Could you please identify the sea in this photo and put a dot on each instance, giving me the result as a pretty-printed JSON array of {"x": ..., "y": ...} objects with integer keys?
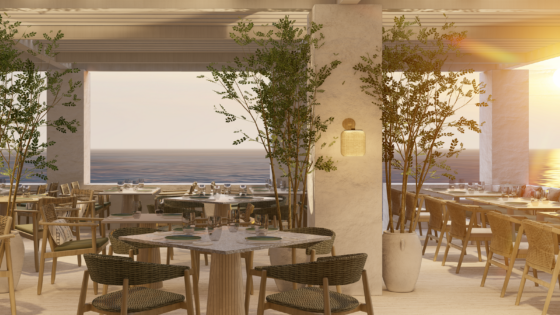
[{"x": 251, "y": 166}]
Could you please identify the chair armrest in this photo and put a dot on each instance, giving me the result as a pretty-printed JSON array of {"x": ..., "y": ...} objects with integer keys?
[
  {"x": 6, "y": 236},
  {"x": 81, "y": 202},
  {"x": 67, "y": 224},
  {"x": 83, "y": 219},
  {"x": 27, "y": 211},
  {"x": 67, "y": 209}
]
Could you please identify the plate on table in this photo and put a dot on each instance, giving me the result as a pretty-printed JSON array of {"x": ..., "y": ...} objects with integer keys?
[
  {"x": 244, "y": 197},
  {"x": 199, "y": 197},
  {"x": 439, "y": 189},
  {"x": 263, "y": 239},
  {"x": 516, "y": 203},
  {"x": 457, "y": 192},
  {"x": 182, "y": 238}
]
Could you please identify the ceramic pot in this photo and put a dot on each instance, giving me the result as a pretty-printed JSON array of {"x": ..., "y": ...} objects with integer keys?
[
  {"x": 283, "y": 256},
  {"x": 18, "y": 253},
  {"x": 402, "y": 258}
]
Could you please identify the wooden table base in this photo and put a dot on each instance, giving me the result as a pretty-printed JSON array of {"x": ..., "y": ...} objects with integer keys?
[
  {"x": 151, "y": 255},
  {"x": 225, "y": 290}
]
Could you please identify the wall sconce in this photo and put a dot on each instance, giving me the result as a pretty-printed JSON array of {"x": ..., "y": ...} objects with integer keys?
[{"x": 352, "y": 141}]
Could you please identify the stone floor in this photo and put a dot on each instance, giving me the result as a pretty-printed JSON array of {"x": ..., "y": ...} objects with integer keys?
[{"x": 439, "y": 290}]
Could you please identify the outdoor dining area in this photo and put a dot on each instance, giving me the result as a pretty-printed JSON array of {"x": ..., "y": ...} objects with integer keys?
[{"x": 219, "y": 227}]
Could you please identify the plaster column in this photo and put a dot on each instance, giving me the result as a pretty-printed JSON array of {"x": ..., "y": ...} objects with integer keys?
[
  {"x": 504, "y": 141},
  {"x": 349, "y": 200},
  {"x": 71, "y": 150}
]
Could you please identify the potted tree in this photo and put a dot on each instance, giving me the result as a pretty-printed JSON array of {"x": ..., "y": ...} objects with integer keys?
[
  {"x": 22, "y": 112},
  {"x": 416, "y": 96}
]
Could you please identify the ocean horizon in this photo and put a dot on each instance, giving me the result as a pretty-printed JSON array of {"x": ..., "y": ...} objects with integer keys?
[{"x": 251, "y": 166}]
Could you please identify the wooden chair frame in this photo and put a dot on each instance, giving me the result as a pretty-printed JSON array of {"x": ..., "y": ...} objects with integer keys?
[
  {"x": 65, "y": 190},
  {"x": 468, "y": 235},
  {"x": 48, "y": 237},
  {"x": 263, "y": 305},
  {"x": 435, "y": 225},
  {"x": 36, "y": 236},
  {"x": 9, "y": 272},
  {"x": 554, "y": 230}
]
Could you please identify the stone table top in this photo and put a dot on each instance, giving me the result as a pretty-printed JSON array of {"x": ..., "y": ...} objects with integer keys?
[
  {"x": 529, "y": 205},
  {"x": 140, "y": 191},
  {"x": 24, "y": 199},
  {"x": 229, "y": 243},
  {"x": 222, "y": 199},
  {"x": 463, "y": 192},
  {"x": 146, "y": 218}
]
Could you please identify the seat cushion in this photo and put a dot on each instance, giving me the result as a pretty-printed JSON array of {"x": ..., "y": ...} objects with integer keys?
[
  {"x": 481, "y": 232},
  {"x": 81, "y": 244},
  {"x": 139, "y": 299},
  {"x": 311, "y": 300},
  {"x": 107, "y": 203},
  {"x": 27, "y": 228}
]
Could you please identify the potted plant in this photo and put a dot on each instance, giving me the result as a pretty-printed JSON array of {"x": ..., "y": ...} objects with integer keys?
[
  {"x": 417, "y": 97},
  {"x": 22, "y": 112}
]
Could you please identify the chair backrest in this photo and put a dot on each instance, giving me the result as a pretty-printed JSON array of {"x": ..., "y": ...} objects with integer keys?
[
  {"x": 340, "y": 270},
  {"x": 436, "y": 207},
  {"x": 248, "y": 212},
  {"x": 5, "y": 227},
  {"x": 112, "y": 270},
  {"x": 410, "y": 206},
  {"x": 396, "y": 196},
  {"x": 186, "y": 208},
  {"x": 122, "y": 247},
  {"x": 322, "y": 247},
  {"x": 85, "y": 195},
  {"x": 65, "y": 189},
  {"x": 75, "y": 185},
  {"x": 47, "y": 206},
  {"x": 543, "y": 245},
  {"x": 41, "y": 189},
  {"x": 502, "y": 233},
  {"x": 458, "y": 214}
]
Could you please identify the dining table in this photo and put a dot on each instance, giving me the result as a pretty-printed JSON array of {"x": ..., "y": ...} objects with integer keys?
[
  {"x": 542, "y": 215},
  {"x": 148, "y": 220},
  {"x": 222, "y": 203},
  {"x": 519, "y": 203},
  {"x": 130, "y": 196},
  {"x": 457, "y": 194},
  {"x": 225, "y": 288}
]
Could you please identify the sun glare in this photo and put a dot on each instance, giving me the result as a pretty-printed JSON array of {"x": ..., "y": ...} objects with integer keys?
[{"x": 556, "y": 77}]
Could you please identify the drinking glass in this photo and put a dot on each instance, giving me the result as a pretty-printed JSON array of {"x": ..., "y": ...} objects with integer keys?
[
  {"x": 515, "y": 190},
  {"x": 159, "y": 210},
  {"x": 217, "y": 190},
  {"x": 120, "y": 185},
  {"x": 127, "y": 183},
  {"x": 461, "y": 184},
  {"x": 141, "y": 182},
  {"x": 243, "y": 189},
  {"x": 202, "y": 189},
  {"x": 538, "y": 195},
  {"x": 451, "y": 184},
  {"x": 545, "y": 194},
  {"x": 281, "y": 184},
  {"x": 269, "y": 183},
  {"x": 135, "y": 184},
  {"x": 228, "y": 188},
  {"x": 233, "y": 227},
  {"x": 483, "y": 184},
  {"x": 215, "y": 233},
  {"x": 3, "y": 182}
]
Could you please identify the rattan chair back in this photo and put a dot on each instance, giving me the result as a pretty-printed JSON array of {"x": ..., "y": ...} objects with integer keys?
[
  {"x": 340, "y": 270},
  {"x": 502, "y": 233},
  {"x": 410, "y": 206},
  {"x": 53, "y": 190},
  {"x": 65, "y": 189},
  {"x": 186, "y": 208},
  {"x": 5, "y": 226},
  {"x": 112, "y": 270},
  {"x": 458, "y": 215},
  {"x": 436, "y": 207},
  {"x": 543, "y": 245},
  {"x": 47, "y": 206},
  {"x": 321, "y": 248},
  {"x": 41, "y": 189},
  {"x": 75, "y": 185},
  {"x": 123, "y": 247},
  {"x": 248, "y": 212},
  {"x": 396, "y": 196},
  {"x": 272, "y": 211}
]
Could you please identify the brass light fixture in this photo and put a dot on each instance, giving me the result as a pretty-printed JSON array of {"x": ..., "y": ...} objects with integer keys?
[{"x": 352, "y": 141}]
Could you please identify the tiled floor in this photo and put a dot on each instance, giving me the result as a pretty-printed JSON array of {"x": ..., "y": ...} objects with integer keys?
[{"x": 439, "y": 290}]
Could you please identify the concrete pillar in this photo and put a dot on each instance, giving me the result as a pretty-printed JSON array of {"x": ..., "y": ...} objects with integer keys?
[
  {"x": 348, "y": 200},
  {"x": 504, "y": 141},
  {"x": 71, "y": 150}
]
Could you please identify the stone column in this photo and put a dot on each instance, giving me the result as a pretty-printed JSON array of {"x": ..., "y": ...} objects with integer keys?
[
  {"x": 504, "y": 141},
  {"x": 348, "y": 200},
  {"x": 71, "y": 150}
]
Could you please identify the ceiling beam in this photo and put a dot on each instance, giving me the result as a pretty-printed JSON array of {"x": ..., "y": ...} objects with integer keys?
[{"x": 131, "y": 57}]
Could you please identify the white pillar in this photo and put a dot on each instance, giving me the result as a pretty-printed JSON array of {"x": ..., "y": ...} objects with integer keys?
[
  {"x": 348, "y": 200},
  {"x": 504, "y": 141},
  {"x": 71, "y": 150}
]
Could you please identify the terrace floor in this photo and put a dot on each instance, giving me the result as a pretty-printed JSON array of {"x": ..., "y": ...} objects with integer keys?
[{"x": 439, "y": 290}]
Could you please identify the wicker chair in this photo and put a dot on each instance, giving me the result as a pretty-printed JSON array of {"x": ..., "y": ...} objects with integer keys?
[
  {"x": 421, "y": 214},
  {"x": 395, "y": 205},
  {"x": 5, "y": 236},
  {"x": 53, "y": 190},
  {"x": 41, "y": 189},
  {"x": 112, "y": 270},
  {"x": 65, "y": 189},
  {"x": 31, "y": 231},
  {"x": 466, "y": 232},
  {"x": 70, "y": 248},
  {"x": 338, "y": 270},
  {"x": 543, "y": 248},
  {"x": 438, "y": 222},
  {"x": 503, "y": 244},
  {"x": 75, "y": 185},
  {"x": 312, "y": 249}
]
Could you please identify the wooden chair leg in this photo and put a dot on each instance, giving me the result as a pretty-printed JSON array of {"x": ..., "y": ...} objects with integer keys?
[
  {"x": 53, "y": 270},
  {"x": 478, "y": 248},
  {"x": 485, "y": 274},
  {"x": 294, "y": 285},
  {"x": 262, "y": 294},
  {"x": 522, "y": 284},
  {"x": 420, "y": 227},
  {"x": 95, "y": 288},
  {"x": 205, "y": 259},
  {"x": 367, "y": 294},
  {"x": 188, "y": 293},
  {"x": 487, "y": 247},
  {"x": 463, "y": 252},
  {"x": 311, "y": 259},
  {"x": 508, "y": 276},
  {"x": 42, "y": 265},
  {"x": 248, "y": 292},
  {"x": 124, "y": 300},
  {"x": 10, "y": 270},
  {"x": 326, "y": 297},
  {"x": 440, "y": 241},
  {"x": 551, "y": 288},
  {"x": 449, "y": 239},
  {"x": 195, "y": 261},
  {"x": 169, "y": 252},
  {"x": 426, "y": 240},
  {"x": 131, "y": 254},
  {"x": 535, "y": 274},
  {"x": 79, "y": 260},
  {"x": 83, "y": 293},
  {"x": 248, "y": 267}
]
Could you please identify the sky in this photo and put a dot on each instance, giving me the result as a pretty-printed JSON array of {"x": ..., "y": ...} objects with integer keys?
[{"x": 175, "y": 110}]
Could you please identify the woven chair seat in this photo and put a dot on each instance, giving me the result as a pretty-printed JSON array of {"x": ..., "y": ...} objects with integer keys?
[
  {"x": 140, "y": 299},
  {"x": 311, "y": 300},
  {"x": 81, "y": 244},
  {"x": 27, "y": 228}
]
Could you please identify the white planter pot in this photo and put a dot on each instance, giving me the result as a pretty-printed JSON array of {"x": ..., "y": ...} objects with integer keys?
[
  {"x": 18, "y": 253},
  {"x": 283, "y": 256},
  {"x": 402, "y": 258}
]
